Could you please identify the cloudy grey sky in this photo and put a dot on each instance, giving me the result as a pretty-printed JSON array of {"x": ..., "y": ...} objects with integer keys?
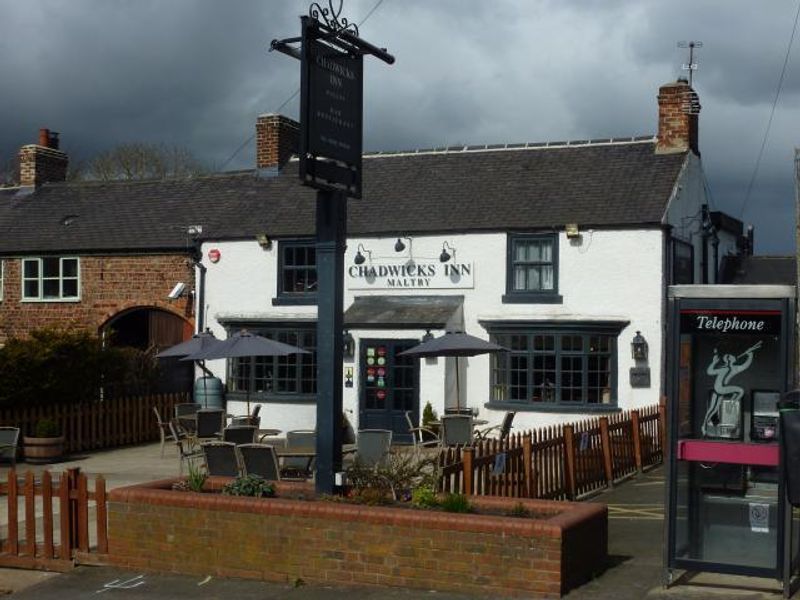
[{"x": 196, "y": 73}]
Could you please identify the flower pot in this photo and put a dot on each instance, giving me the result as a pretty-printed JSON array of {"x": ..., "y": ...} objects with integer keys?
[{"x": 43, "y": 450}]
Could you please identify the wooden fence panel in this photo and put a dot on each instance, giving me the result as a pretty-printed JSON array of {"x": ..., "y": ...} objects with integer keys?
[
  {"x": 72, "y": 514},
  {"x": 558, "y": 462}
]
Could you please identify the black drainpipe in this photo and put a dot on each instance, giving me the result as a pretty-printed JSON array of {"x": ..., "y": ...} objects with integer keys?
[{"x": 197, "y": 261}]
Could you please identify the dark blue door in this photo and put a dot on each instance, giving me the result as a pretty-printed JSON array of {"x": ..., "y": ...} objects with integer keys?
[{"x": 389, "y": 386}]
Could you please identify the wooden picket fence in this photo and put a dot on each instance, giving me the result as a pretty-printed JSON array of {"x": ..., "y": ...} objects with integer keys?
[
  {"x": 561, "y": 461},
  {"x": 107, "y": 423},
  {"x": 57, "y": 531}
]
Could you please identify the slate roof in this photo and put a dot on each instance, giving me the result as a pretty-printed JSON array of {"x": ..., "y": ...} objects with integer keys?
[
  {"x": 759, "y": 270},
  {"x": 489, "y": 189}
]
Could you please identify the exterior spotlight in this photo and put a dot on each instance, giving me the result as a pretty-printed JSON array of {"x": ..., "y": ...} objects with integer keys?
[
  {"x": 427, "y": 337},
  {"x": 399, "y": 246},
  {"x": 359, "y": 258},
  {"x": 639, "y": 347},
  {"x": 445, "y": 255}
]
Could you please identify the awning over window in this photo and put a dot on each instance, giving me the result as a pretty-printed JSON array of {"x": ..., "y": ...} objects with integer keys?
[{"x": 405, "y": 312}]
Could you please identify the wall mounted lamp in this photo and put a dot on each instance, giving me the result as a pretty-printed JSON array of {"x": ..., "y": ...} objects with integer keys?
[
  {"x": 445, "y": 255},
  {"x": 348, "y": 345},
  {"x": 572, "y": 230},
  {"x": 264, "y": 241},
  {"x": 399, "y": 245},
  {"x": 359, "y": 257},
  {"x": 639, "y": 347}
]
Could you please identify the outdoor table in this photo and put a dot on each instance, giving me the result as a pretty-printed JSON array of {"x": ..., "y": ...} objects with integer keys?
[
  {"x": 475, "y": 422},
  {"x": 263, "y": 433},
  {"x": 309, "y": 451}
]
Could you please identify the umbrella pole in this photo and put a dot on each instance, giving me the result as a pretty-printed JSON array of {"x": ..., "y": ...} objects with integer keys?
[{"x": 205, "y": 379}]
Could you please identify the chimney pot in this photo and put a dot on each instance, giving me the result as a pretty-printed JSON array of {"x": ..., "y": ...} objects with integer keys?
[{"x": 44, "y": 137}]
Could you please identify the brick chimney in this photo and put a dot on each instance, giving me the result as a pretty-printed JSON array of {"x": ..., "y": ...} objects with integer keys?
[
  {"x": 678, "y": 108},
  {"x": 42, "y": 162},
  {"x": 277, "y": 139}
]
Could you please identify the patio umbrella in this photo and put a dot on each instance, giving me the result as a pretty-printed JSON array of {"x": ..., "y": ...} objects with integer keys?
[
  {"x": 243, "y": 344},
  {"x": 199, "y": 342},
  {"x": 455, "y": 344}
]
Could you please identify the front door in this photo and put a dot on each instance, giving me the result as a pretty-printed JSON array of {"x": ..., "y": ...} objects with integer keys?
[{"x": 389, "y": 387}]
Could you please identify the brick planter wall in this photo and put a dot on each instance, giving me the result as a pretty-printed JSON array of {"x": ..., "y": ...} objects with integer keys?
[{"x": 154, "y": 528}]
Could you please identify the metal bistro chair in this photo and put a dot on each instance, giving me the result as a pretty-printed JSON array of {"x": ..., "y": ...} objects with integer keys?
[
  {"x": 418, "y": 434},
  {"x": 457, "y": 430},
  {"x": 239, "y": 434},
  {"x": 9, "y": 438},
  {"x": 260, "y": 460},
  {"x": 164, "y": 430},
  {"x": 373, "y": 446},
  {"x": 503, "y": 430},
  {"x": 210, "y": 423},
  {"x": 298, "y": 466},
  {"x": 186, "y": 451},
  {"x": 221, "y": 459}
]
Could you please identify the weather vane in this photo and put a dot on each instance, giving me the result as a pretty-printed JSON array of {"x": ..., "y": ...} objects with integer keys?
[{"x": 691, "y": 65}]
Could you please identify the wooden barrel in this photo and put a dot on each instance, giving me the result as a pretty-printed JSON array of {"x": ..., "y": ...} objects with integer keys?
[{"x": 43, "y": 450}]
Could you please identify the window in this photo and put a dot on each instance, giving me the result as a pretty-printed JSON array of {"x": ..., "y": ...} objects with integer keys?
[
  {"x": 682, "y": 262},
  {"x": 532, "y": 272},
  {"x": 278, "y": 377},
  {"x": 556, "y": 366},
  {"x": 50, "y": 278},
  {"x": 297, "y": 273}
]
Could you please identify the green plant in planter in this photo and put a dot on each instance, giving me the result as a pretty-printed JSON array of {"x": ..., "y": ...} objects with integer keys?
[
  {"x": 457, "y": 503},
  {"x": 47, "y": 428},
  {"x": 428, "y": 415},
  {"x": 249, "y": 485},
  {"x": 520, "y": 511},
  {"x": 196, "y": 478},
  {"x": 424, "y": 496}
]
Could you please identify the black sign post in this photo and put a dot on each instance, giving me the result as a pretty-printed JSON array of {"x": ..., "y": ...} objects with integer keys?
[{"x": 331, "y": 85}]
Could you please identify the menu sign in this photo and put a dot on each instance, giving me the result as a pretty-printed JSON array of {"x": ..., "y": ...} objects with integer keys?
[{"x": 731, "y": 322}]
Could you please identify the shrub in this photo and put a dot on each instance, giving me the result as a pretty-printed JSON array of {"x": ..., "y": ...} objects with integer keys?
[
  {"x": 424, "y": 496},
  {"x": 196, "y": 478},
  {"x": 59, "y": 366},
  {"x": 519, "y": 510},
  {"x": 428, "y": 415},
  {"x": 249, "y": 485},
  {"x": 47, "y": 428},
  {"x": 403, "y": 472},
  {"x": 456, "y": 503}
]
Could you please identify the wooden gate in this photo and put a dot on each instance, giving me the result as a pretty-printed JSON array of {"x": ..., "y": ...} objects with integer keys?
[{"x": 53, "y": 510}]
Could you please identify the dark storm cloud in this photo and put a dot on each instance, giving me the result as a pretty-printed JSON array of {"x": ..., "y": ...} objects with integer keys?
[{"x": 197, "y": 73}]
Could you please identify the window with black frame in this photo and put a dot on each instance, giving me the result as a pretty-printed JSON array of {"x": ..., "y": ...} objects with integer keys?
[
  {"x": 532, "y": 268},
  {"x": 278, "y": 377},
  {"x": 297, "y": 272},
  {"x": 682, "y": 263},
  {"x": 546, "y": 368}
]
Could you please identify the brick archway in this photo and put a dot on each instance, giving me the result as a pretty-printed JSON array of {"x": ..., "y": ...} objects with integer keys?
[{"x": 145, "y": 327}]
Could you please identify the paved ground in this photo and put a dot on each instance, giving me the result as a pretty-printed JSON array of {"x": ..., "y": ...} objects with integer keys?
[{"x": 635, "y": 528}]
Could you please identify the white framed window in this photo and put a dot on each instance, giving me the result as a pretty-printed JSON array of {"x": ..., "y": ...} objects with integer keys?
[{"x": 50, "y": 279}]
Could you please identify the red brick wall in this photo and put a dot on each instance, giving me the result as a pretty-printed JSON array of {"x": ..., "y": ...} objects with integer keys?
[
  {"x": 108, "y": 285},
  {"x": 285, "y": 540}
]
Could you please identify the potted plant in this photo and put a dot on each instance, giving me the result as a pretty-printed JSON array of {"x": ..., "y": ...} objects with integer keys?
[
  {"x": 46, "y": 445},
  {"x": 429, "y": 421}
]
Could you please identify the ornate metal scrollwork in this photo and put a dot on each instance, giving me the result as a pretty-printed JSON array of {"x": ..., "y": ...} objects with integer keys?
[{"x": 330, "y": 17}]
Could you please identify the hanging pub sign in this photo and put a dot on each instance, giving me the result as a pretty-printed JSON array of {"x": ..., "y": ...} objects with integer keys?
[
  {"x": 331, "y": 108},
  {"x": 731, "y": 322}
]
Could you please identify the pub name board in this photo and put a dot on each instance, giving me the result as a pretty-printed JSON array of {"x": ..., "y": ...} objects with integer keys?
[
  {"x": 417, "y": 275},
  {"x": 727, "y": 322}
]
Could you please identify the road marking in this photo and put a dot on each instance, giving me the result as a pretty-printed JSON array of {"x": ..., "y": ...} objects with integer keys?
[
  {"x": 642, "y": 512},
  {"x": 205, "y": 581},
  {"x": 122, "y": 585}
]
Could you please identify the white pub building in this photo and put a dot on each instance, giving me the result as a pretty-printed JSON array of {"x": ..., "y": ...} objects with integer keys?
[{"x": 561, "y": 252}]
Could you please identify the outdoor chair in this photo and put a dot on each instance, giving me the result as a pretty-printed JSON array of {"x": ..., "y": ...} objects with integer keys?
[
  {"x": 245, "y": 420},
  {"x": 419, "y": 434},
  {"x": 210, "y": 422},
  {"x": 373, "y": 446},
  {"x": 457, "y": 430},
  {"x": 221, "y": 459},
  {"x": 185, "y": 413},
  {"x": 164, "y": 430},
  {"x": 299, "y": 467},
  {"x": 503, "y": 430},
  {"x": 260, "y": 460},
  {"x": 239, "y": 434},
  {"x": 187, "y": 452},
  {"x": 9, "y": 437}
]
